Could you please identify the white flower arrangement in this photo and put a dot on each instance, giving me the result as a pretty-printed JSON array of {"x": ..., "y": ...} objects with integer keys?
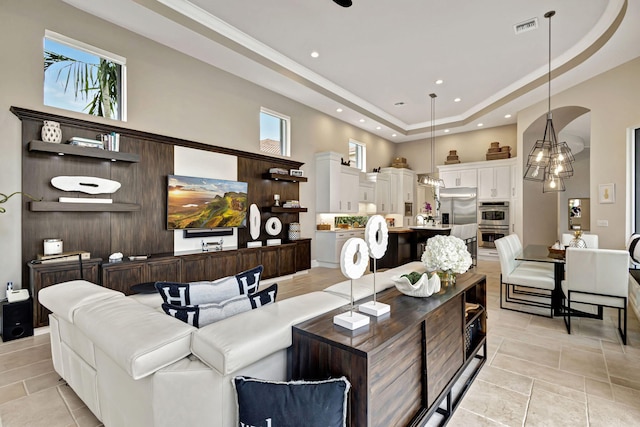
[{"x": 446, "y": 253}]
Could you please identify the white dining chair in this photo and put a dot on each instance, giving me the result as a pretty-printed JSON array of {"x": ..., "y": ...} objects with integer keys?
[
  {"x": 524, "y": 283},
  {"x": 591, "y": 240},
  {"x": 598, "y": 277}
]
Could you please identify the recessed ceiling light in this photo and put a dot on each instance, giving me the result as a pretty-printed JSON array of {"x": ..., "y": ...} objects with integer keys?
[
  {"x": 439, "y": 81},
  {"x": 457, "y": 100},
  {"x": 393, "y": 135},
  {"x": 378, "y": 127},
  {"x": 480, "y": 124},
  {"x": 361, "y": 120},
  {"x": 446, "y": 131},
  {"x": 399, "y": 104},
  {"x": 339, "y": 110},
  {"x": 314, "y": 54},
  {"x": 507, "y": 116}
]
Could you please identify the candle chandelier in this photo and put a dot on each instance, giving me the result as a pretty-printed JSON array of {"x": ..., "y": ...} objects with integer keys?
[
  {"x": 549, "y": 161},
  {"x": 428, "y": 178}
]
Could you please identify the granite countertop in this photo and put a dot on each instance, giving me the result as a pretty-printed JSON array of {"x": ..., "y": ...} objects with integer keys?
[{"x": 430, "y": 227}]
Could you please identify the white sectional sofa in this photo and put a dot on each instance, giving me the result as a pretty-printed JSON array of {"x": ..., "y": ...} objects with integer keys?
[{"x": 133, "y": 365}]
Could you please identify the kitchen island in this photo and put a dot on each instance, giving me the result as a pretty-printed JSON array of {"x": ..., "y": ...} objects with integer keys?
[{"x": 406, "y": 244}]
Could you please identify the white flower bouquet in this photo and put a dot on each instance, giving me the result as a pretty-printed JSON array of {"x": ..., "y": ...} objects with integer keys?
[{"x": 446, "y": 253}]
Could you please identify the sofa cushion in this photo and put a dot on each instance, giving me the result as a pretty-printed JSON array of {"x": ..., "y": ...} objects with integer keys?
[
  {"x": 295, "y": 403},
  {"x": 65, "y": 298},
  {"x": 204, "y": 314},
  {"x": 138, "y": 338},
  {"x": 239, "y": 341},
  {"x": 205, "y": 292}
]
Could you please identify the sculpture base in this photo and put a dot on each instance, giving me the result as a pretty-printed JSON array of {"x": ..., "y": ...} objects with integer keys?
[
  {"x": 374, "y": 308},
  {"x": 351, "y": 320}
]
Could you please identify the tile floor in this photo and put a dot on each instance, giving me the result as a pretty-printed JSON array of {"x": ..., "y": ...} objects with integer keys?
[{"x": 536, "y": 374}]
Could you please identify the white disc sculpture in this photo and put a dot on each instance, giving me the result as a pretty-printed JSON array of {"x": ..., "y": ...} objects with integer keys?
[
  {"x": 353, "y": 263},
  {"x": 254, "y": 226},
  {"x": 376, "y": 234}
]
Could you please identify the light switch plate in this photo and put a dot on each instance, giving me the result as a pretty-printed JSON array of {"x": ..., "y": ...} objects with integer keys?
[{"x": 603, "y": 223}]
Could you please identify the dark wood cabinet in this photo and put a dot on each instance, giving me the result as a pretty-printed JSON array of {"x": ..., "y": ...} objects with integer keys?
[
  {"x": 120, "y": 276},
  {"x": 303, "y": 254},
  {"x": 404, "y": 366},
  {"x": 47, "y": 274}
]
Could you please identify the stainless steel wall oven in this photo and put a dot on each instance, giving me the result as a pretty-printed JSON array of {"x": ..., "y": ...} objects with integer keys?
[{"x": 493, "y": 222}]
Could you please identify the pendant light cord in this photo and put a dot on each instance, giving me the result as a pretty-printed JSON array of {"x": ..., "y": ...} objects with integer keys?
[{"x": 548, "y": 15}]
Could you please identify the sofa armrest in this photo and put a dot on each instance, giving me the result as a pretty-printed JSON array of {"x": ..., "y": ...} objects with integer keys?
[
  {"x": 138, "y": 338},
  {"x": 236, "y": 342},
  {"x": 65, "y": 298}
]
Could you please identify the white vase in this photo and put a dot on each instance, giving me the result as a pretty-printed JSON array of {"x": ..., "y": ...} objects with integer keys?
[{"x": 51, "y": 132}]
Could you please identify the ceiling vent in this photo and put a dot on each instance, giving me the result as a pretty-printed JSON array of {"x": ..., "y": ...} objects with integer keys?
[{"x": 528, "y": 25}]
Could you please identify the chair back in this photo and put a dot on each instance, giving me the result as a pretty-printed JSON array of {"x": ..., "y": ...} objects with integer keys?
[
  {"x": 591, "y": 240},
  {"x": 507, "y": 252},
  {"x": 599, "y": 271},
  {"x": 456, "y": 230}
]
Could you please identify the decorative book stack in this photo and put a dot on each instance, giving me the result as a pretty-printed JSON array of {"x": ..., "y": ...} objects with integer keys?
[{"x": 496, "y": 152}]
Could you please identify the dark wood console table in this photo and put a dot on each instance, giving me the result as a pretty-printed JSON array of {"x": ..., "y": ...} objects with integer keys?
[{"x": 402, "y": 367}]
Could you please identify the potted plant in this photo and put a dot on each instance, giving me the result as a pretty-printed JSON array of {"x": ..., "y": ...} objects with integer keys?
[{"x": 4, "y": 198}]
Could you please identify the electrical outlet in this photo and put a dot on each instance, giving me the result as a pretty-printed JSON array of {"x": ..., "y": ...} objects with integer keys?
[{"x": 603, "y": 223}]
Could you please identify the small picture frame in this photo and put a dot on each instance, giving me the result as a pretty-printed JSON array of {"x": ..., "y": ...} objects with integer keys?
[
  {"x": 607, "y": 193},
  {"x": 296, "y": 172}
]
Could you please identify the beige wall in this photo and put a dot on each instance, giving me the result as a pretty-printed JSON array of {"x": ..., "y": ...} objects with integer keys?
[
  {"x": 613, "y": 101},
  {"x": 470, "y": 146},
  {"x": 169, "y": 93}
]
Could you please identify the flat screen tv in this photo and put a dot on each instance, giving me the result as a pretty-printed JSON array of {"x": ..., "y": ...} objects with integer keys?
[{"x": 205, "y": 203}]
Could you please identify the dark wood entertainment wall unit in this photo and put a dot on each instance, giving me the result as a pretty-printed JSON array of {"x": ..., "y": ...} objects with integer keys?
[{"x": 135, "y": 223}]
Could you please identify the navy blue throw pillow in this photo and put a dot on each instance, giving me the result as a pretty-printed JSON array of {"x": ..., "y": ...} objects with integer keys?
[
  {"x": 292, "y": 404},
  {"x": 206, "y": 292},
  {"x": 204, "y": 314}
]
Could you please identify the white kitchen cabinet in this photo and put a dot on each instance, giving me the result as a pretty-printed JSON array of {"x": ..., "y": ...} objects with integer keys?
[
  {"x": 494, "y": 183},
  {"x": 402, "y": 183},
  {"x": 459, "y": 178},
  {"x": 336, "y": 185},
  {"x": 383, "y": 206},
  {"x": 329, "y": 245},
  {"x": 366, "y": 191}
]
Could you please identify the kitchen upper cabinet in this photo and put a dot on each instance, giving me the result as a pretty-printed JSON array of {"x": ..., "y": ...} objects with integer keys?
[
  {"x": 336, "y": 186},
  {"x": 383, "y": 192},
  {"x": 494, "y": 183},
  {"x": 402, "y": 184},
  {"x": 459, "y": 178},
  {"x": 366, "y": 191}
]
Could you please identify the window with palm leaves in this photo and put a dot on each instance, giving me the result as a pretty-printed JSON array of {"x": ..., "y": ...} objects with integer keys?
[{"x": 82, "y": 78}]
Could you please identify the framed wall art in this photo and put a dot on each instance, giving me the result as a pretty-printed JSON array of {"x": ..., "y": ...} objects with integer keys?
[{"x": 606, "y": 193}]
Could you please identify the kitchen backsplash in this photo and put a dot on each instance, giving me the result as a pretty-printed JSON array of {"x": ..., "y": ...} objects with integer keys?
[{"x": 352, "y": 221}]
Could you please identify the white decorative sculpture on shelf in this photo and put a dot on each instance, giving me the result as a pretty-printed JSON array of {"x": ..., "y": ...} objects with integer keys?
[
  {"x": 376, "y": 235},
  {"x": 354, "y": 259},
  {"x": 254, "y": 226}
]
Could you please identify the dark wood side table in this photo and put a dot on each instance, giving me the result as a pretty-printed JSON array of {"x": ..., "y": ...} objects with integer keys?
[{"x": 402, "y": 367}]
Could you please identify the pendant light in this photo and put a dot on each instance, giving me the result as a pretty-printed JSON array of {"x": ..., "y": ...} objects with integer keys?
[
  {"x": 428, "y": 178},
  {"x": 549, "y": 161}
]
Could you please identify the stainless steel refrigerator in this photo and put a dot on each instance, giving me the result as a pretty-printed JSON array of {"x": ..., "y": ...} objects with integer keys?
[{"x": 460, "y": 204}]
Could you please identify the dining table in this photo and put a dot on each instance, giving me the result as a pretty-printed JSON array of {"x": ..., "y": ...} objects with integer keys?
[{"x": 540, "y": 253}]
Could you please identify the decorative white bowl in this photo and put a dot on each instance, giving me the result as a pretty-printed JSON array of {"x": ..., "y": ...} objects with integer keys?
[{"x": 424, "y": 287}]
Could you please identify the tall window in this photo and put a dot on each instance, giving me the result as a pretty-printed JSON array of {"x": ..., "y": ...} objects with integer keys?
[
  {"x": 358, "y": 154},
  {"x": 83, "y": 78},
  {"x": 274, "y": 133}
]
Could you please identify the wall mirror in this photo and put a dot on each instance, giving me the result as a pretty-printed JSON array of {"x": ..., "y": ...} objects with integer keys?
[{"x": 579, "y": 214}]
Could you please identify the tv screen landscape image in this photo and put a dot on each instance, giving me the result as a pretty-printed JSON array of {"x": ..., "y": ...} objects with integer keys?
[{"x": 205, "y": 203}]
